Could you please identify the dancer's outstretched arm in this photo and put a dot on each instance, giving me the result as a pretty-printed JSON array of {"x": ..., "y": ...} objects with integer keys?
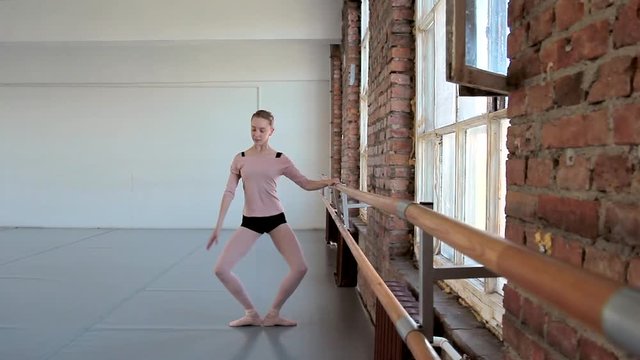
[
  {"x": 292, "y": 172},
  {"x": 311, "y": 185},
  {"x": 228, "y": 195}
]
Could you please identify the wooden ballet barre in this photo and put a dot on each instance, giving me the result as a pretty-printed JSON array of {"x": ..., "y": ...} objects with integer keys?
[
  {"x": 604, "y": 305},
  {"x": 406, "y": 327}
]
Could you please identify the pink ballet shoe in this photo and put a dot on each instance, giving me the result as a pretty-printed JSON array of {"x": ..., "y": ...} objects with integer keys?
[
  {"x": 251, "y": 318},
  {"x": 274, "y": 319}
]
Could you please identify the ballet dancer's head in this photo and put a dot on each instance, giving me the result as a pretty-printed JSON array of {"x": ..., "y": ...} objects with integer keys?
[{"x": 261, "y": 127}]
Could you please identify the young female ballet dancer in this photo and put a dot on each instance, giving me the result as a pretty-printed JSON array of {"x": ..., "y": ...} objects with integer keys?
[{"x": 259, "y": 167}]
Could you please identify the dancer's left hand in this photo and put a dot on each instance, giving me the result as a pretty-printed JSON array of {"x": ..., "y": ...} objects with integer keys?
[{"x": 213, "y": 239}]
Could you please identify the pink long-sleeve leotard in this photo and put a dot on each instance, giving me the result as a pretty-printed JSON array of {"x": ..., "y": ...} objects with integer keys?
[{"x": 259, "y": 176}]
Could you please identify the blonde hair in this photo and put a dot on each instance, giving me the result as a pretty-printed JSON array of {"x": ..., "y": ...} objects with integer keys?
[{"x": 264, "y": 114}]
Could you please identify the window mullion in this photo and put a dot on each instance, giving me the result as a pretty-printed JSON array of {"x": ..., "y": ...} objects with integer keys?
[
  {"x": 460, "y": 179},
  {"x": 493, "y": 171}
]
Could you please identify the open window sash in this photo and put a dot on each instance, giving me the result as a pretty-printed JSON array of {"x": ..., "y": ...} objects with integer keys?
[{"x": 463, "y": 49}]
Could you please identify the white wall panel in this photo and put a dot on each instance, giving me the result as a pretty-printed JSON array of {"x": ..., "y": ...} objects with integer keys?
[{"x": 148, "y": 157}]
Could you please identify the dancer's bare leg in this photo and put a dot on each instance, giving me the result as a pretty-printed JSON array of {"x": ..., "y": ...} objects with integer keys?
[
  {"x": 287, "y": 244},
  {"x": 236, "y": 248}
]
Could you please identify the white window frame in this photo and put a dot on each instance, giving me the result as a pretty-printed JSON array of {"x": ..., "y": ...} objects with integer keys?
[
  {"x": 483, "y": 295},
  {"x": 364, "y": 99}
]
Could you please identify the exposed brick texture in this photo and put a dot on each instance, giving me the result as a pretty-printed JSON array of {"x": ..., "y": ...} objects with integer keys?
[
  {"x": 633, "y": 274},
  {"x": 614, "y": 79},
  {"x": 591, "y": 350},
  {"x": 516, "y": 170},
  {"x": 390, "y": 143},
  {"x": 626, "y": 30},
  {"x": 569, "y": 90},
  {"x": 576, "y": 216},
  {"x": 562, "y": 337},
  {"x": 604, "y": 263},
  {"x": 576, "y": 131},
  {"x": 390, "y": 169},
  {"x": 350, "y": 159},
  {"x": 512, "y": 301},
  {"x": 569, "y": 251},
  {"x": 539, "y": 172},
  {"x": 622, "y": 223},
  {"x": 568, "y": 12},
  {"x": 521, "y": 205},
  {"x": 573, "y": 169},
  {"x": 533, "y": 316},
  {"x": 336, "y": 110},
  {"x": 573, "y": 172},
  {"x": 612, "y": 172},
  {"x": 626, "y": 127},
  {"x": 514, "y": 231}
]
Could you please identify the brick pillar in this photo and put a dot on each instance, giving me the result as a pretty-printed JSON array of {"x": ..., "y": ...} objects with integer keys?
[
  {"x": 573, "y": 172},
  {"x": 350, "y": 163},
  {"x": 336, "y": 110},
  {"x": 392, "y": 88}
]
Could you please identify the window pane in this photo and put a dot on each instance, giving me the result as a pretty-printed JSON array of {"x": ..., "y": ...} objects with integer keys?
[
  {"x": 445, "y": 92},
  {"x": 501, "y": 282},
  {"x": 425, "y": 190},
  {"x": 504, "y": 124},
  {"x": 425, "y": 80},
  {"x": 486, "y": 34},
  {"x": 429, "y": 79},
  {"x": 364, "y": 65},
  {"x": 448, "y": 173},
  {"x": 424, "y": 6},
  {"x": 471, "y": 106},
  {"x": 364, "y": 18},
  {"x": 425, "y": 179},
  {"x": 364, "y": 117},
  {"x": 475, "y": 184}
]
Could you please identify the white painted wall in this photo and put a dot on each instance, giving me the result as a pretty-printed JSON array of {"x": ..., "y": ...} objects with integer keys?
[
  {"x": 141, "y": 135},
  {"x": 129, "y": 20},
  {"x": 163, "y": 62}
]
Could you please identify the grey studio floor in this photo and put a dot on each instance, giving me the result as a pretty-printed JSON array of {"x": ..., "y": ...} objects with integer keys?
[{"x": 150, "y": 294}]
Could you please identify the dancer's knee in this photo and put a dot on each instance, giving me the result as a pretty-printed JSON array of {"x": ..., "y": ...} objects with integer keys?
[
  {"x": 300, "y": 269},
  {"x": 220, "y": 271}
]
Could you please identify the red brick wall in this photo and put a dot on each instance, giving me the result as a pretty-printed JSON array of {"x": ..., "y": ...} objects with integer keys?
[
  {"x": 390, "y": 144},
  {"x": 336, "y": 110},
  {"x": 350, "y": 164},
  {"x": 574, "y": 160},
  {"x": 391, "y": 90}
]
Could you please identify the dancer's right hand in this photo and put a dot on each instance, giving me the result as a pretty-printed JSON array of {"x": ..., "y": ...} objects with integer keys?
[{"x": 213, "y": 238}]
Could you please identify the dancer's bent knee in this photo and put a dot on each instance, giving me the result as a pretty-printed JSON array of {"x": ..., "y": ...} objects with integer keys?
[
  {"x": 300, "y": 270},
  {"x": 221, "y": 272}
]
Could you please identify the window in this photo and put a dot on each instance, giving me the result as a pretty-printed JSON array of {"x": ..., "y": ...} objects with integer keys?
[
  {"x": 477, "y": 50},
  {"x": 461, "y": 155},
  {"x": 364, "y": 103}
]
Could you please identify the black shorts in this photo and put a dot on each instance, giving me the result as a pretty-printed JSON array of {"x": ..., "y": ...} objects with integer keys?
[{"x": 263, "y": 224}]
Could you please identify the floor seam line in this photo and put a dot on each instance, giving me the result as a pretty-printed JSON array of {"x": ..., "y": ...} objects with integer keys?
[{"x": 55, "y": 248}]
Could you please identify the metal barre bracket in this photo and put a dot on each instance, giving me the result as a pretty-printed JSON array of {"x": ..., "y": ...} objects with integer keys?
[{"x": 346, "y": 206}]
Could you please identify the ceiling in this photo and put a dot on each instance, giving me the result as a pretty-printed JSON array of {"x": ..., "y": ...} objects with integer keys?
[{"x": 96, "y": 21}]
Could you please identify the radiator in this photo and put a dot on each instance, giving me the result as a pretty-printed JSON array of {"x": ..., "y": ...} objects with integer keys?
[{"x": 388, "y": 344}]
